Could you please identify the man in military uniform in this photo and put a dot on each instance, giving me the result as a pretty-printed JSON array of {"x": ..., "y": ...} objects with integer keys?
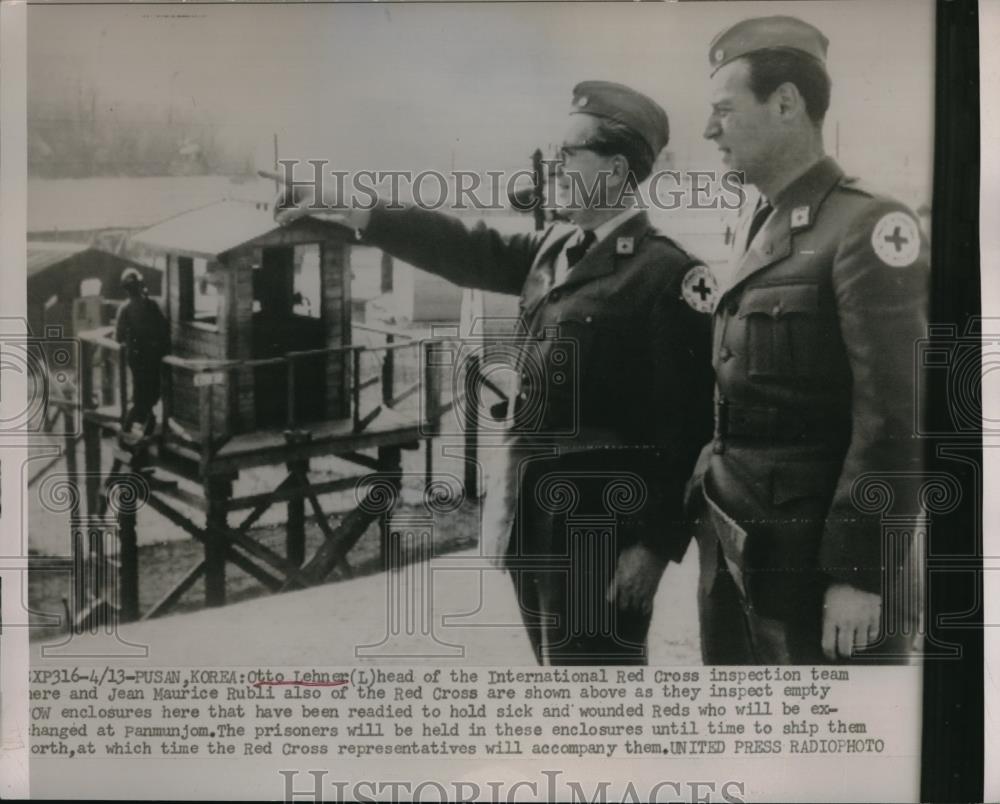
[
  {"x": 142, "y": 328},
  {"x": 614, "y": 399},
  {"x": 813, "y": 353}
]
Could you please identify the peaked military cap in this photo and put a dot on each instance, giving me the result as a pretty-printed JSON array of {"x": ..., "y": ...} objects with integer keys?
[
  {"x": 767, "y": 33},
  {"x": 626, "y": 106}
]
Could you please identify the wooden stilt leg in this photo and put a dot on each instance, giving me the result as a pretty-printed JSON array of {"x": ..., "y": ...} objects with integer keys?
[
  {"x": 128, "y": 560},
  {"x": 471, "y": 425},
  {"x": 295, "y": 538},
  {"x": 72, "y": 469},
  {"x": 428, "y": 462},
  {"x": 92, "y": 465},
  {"x": 91, "y": 430},
  {"x": 217, "y": 493},
  {"x": 390, "y": 463}
]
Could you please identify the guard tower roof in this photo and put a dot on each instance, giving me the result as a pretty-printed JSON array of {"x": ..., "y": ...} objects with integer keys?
[{"x": 211, "y": 230}]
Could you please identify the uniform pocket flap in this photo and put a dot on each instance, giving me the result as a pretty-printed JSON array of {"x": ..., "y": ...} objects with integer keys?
[{"x": 778, "y": 300}]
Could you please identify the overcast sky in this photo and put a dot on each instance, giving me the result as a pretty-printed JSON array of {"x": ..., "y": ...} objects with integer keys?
[{"x": 417, "y": 86}]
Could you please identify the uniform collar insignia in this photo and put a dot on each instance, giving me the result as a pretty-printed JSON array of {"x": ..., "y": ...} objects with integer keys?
[
  {"x": 600, "y": 260},
  {"x": 774, "y": 242},
  {"x": 809, "y": 190}
]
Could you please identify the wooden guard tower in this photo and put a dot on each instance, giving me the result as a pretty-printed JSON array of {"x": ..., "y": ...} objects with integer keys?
[{"x": 266, "y": 369}]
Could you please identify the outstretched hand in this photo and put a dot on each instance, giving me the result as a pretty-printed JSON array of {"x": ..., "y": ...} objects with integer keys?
[{"x": 301, "y": 199}]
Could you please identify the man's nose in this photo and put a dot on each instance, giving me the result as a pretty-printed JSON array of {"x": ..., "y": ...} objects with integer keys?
[{"x": 712, "y": 129}]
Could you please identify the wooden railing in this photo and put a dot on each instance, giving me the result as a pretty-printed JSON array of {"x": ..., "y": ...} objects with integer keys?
[
  {"x": 370, "y": 365},
  {"x": 102, "y": 355}
]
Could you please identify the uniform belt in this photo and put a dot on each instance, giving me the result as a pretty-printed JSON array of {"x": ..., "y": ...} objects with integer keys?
[{"x": 776, "y": 424}]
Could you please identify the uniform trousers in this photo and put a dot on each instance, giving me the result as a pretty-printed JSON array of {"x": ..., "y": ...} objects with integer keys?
[{"x": 562, "y": 564}]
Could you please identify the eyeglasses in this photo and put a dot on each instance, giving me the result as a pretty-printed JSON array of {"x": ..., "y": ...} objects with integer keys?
[{"x": 564, "y": 151}]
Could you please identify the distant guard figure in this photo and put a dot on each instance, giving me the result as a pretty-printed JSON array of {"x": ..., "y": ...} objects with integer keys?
[
  {"x": 813, "y": 353},
  {"x": 143, "y": 330}
]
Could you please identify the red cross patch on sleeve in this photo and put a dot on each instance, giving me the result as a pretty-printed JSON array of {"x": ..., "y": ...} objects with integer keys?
[
  {"x": 896, "y": 239},
  {"x": 700, "y": 289}
]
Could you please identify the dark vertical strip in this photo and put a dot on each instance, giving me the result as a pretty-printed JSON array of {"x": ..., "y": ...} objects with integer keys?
[{"x": 953, "y": 688}]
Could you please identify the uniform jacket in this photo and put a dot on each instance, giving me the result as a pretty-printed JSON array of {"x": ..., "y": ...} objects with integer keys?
[
  {"x": 814, "y": 356},
  {"x": 142, "y": 327},
  {"x": 637, "y": 383}
]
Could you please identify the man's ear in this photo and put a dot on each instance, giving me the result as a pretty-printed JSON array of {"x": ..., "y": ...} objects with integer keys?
[
  {"x": 619, "y": 168},
  {"x": 789, "y": 100}
]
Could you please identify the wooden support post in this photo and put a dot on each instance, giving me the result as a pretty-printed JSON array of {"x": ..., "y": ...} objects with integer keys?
[
  {"x": 205, "y": 425},
  {"x": 91, "y": 430},
  {"x": 69, "y": 447},
  {"x": 128, "y": 557},
  {"x": 431, "y": 404},
  {"x": 72, "y": 471},
  {"x": 123, "y": 385},
  {"x": 92, "y": 464},
  {"x": 86, "y": 400},
  {"x": 356, "y": 388},
  {"x": 432, "y": 385},
  {"x": 100, "y": 572},
  {"x": 107, "y": 378},
  {"x": 295, "y": 536},
  {"x": 166, "y": 397},
  {"x": 471, "y": 424},
  {"x": 217, "y": 493},
  {"x": 80, "y": 599},
  {"x": 290, "y": 387},
  {"x": 388, "y": 369},
  {"x": 391, "y": 465}
]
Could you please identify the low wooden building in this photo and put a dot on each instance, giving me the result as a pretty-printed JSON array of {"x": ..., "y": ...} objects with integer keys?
[
  {"x": 68, "y": 284},
  {"x": 241, "y": 288}
]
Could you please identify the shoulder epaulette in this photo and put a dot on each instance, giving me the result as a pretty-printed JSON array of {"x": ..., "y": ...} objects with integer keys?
[
  {"x": 854, "y": 184},
  {"x": 659, "y": 234}
]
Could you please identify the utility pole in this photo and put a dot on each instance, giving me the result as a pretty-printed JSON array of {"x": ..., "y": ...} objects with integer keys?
[{"x": 277, "y": 185}]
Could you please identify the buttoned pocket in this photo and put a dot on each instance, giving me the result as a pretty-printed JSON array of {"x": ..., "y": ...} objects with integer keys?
[
  {"x": 565, "y": 357},
  {"x": 781, "y": 330},
  {"x": 600, "y": 341}
]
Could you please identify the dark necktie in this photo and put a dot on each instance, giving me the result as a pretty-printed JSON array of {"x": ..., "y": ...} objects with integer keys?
[
  {"x": 759, "y": 217},
  {"x": 575, "y": 253}
]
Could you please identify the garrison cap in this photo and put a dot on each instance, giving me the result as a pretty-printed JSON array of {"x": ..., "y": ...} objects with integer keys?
[
  {"x": 131, "y": 276},
  {"x": 626, "y": 106},
  {"x": 767, "y": 33}
]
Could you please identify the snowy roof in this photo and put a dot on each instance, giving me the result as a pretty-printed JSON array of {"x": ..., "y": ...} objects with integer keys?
[
  {"x": 210, "y": 230},
  {"x": 44, "y": 255},
  {"x": 85, "y": 205}
]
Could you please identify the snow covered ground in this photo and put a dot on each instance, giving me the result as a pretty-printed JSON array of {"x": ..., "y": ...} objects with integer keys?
[{"x": 473, "y": 620}]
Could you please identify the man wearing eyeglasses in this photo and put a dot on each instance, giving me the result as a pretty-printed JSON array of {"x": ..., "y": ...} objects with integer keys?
[{"x": 614, "y": 381}]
